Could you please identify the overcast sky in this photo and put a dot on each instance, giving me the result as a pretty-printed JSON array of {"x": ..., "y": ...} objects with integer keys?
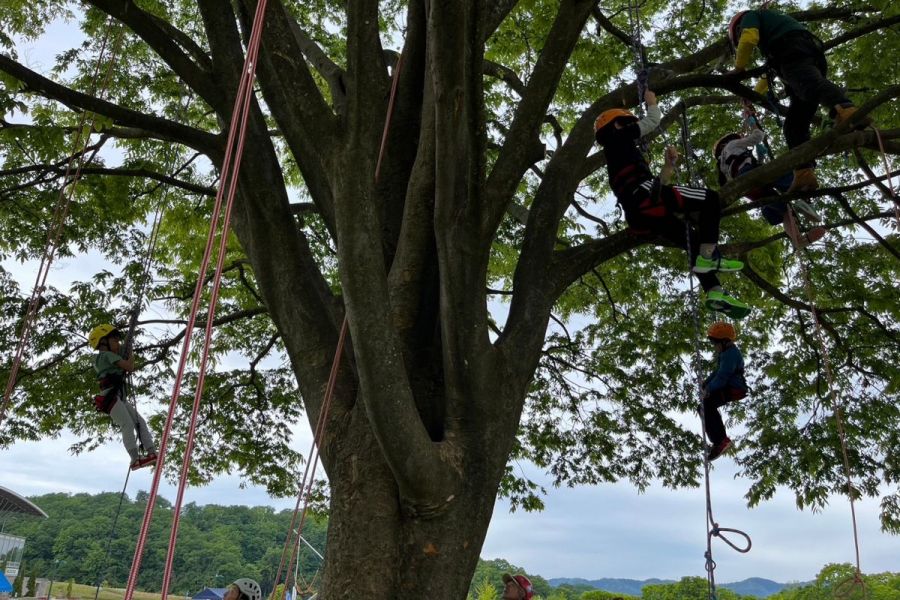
[{"x": 604, "y": 531}]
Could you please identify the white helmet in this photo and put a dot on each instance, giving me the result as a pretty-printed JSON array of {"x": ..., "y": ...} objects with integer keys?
[{"x": 249, "y": 588}]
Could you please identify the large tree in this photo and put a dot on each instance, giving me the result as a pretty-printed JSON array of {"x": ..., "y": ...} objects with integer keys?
[{"x": 489, "y": 218}]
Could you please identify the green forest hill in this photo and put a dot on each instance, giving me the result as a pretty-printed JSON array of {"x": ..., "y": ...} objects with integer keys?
[{"x": 218, "y": 544}]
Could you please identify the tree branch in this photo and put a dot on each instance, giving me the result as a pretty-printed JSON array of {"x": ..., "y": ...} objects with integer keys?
[
  {"x": 164, "y": 38},
  {"x": 163, "y": 128}
]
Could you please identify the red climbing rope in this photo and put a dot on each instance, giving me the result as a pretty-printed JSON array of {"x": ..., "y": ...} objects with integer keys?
[
  {"x": 233, "y": 152},
  {"x": 63, "y": 202}
]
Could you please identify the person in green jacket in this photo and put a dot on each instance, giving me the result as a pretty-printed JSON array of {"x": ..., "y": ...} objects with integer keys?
[
  {"x": 798, "y": 57},
  {"x": 111, "y": 367}
]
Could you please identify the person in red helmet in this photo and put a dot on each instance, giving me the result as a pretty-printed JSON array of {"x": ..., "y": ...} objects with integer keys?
[
  {"x": 517, "y": 587},
  {"x": 798, "y": 57},
  {"x": 654, "y": 206},
  {"x": 726, "y": 384}
]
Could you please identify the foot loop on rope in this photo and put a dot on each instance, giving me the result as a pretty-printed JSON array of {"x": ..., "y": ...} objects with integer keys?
[{"x": 717, "y": 531}]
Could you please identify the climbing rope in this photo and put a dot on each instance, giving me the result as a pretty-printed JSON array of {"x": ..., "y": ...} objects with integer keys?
[
  {"x": 887, "y": 173},
  {"x": 64, "y": 199},
  {"x": 713, "y": 529},
  {"x": 112, "y": 532},
  {"x": 306, "y": 485},
  {"x": 856, "y": 581},
  {"x": 229, "y": 173}
]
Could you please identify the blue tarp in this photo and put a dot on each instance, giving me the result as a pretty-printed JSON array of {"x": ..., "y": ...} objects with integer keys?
[
  {"x": 210, "y": 594},
  {"x": 5, "y": 585}
]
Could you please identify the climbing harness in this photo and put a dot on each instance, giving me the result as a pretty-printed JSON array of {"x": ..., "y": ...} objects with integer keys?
[
  {"x": 856, "y": 581},
  {"x": 713, "y": 529},
  {"x": 229, "y": 173},
  {"x": 67, "y": 189}
]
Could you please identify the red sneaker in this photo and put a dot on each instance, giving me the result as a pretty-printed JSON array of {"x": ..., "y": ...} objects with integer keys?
[
  {"x": 717, "y": 450},
  {"x": 146, "y": 461}
]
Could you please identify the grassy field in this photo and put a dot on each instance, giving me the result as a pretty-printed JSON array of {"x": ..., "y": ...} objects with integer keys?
[{"x": 86, "y": 592}]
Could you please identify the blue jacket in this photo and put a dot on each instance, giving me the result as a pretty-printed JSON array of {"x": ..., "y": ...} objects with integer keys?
[{"x": 729, "y": 372}]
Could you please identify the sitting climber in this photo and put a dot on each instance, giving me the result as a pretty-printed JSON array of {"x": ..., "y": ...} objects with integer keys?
[
  {"x": 734, "y": 157},
  {"x": 111, "y": 367},
  {"x": 653, "y": 206},
  {"x": 726, "y": 384},
  {"x": 798, "y": 57}
]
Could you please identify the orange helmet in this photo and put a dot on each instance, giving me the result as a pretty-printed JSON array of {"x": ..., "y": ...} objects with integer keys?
[
  {"x": 720, "y": 143},
  {"x": 721, "y": 331},
  {"x": 733, "y": 27},
  {"x": 608, "y": 116}
]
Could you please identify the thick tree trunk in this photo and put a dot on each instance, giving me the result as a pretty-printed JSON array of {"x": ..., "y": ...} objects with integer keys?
[{"x": 379, "y": 549}]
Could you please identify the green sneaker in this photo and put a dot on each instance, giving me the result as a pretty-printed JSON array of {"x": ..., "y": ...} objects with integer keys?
[
  {"x": 716, "y": 263},
  {"x": 723, "y": 303}
]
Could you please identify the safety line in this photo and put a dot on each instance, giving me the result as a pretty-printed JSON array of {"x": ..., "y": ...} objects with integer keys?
[
  {"x": 63, "y": 202},
  {"x": 112, "y": 531},
  {"x": 712, "y": 527},
  {"x": 236, "y": 134},
  {"x": 832, "y": 396},
  {"x": 887, "y": 174}
]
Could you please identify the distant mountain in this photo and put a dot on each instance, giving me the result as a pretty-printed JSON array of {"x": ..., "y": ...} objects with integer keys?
[
  {"x": 632, "y": 587},
  {"x": 755, "y": 586}
]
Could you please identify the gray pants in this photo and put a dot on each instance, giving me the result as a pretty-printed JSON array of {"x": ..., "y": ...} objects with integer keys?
[{"x": 127, "y": 418}]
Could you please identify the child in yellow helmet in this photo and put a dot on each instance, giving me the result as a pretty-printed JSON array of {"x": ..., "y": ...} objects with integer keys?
[
  {"x": 726, "y": 384},
  {"x": 654, "y": 206},
  {"x": 111, "y": 368}
]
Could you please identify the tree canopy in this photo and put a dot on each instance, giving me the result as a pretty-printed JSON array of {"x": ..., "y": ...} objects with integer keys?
[{"x": 498, "y": 309}]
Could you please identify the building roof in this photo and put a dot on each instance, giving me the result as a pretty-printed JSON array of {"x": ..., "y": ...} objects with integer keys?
[
  {"x": 13, "y": 503},
  {"x": 210, "y": 594}
]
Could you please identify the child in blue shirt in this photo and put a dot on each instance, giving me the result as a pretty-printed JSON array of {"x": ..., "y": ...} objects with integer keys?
[
  {"x": 724, "y": 385},
  {"x": 111, "y": 368}
]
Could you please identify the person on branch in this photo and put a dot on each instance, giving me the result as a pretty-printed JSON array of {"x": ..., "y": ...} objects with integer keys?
[
  {"x": 798, "y": 57},
  {"x": 111, "y": 367},
  {"x": 653, "y": 205},
  {"x": 517, "y": 587},
  {"x": 726, "y": 384},
  {"x": 734, "y": 157}
]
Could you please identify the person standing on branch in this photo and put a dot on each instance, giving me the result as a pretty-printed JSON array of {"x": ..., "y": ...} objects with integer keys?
[
  {"x": 726, "y": 384},
  {"x": 111, "y": 367},
  {"x": 798, "y": 57},
  {"x": 653, "y": 205}
]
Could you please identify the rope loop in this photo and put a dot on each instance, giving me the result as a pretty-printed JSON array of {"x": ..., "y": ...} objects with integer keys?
[
  {"x": 717, "y": 531},
  {"x": 847, "y": 589}
]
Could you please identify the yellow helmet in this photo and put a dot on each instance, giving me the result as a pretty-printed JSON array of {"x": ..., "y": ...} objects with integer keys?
[
  {"x": 721, "y": 331},
  {"x": 608, "y": 116},
  {"x": 99, "y": 332}
]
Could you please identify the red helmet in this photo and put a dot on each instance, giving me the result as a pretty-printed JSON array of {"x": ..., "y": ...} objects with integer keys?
[
  {"x": 522, "y": 582},
  {"x": 733, "y": 28}
]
